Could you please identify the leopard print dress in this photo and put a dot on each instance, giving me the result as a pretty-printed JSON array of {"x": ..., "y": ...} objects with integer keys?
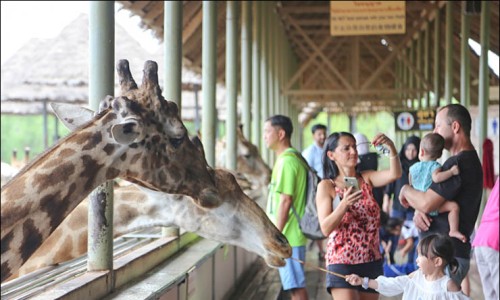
[{"x": 356, "y": 239}]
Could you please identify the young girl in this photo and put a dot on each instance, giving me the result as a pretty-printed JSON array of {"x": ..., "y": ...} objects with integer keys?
[{"x": 429, "y": 282}]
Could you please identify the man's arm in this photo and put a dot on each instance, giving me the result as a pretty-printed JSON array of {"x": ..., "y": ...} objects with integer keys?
[
  {"x": 423, "y": 201},
  {"x": 386, "y": 203},
  {"x": 283, "y": 209}
]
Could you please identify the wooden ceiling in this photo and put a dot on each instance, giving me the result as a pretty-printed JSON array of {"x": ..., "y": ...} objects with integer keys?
[{"x": 342, "y": 73}]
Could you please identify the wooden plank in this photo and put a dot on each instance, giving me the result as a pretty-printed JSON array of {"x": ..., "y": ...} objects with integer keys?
[{"x": 192, "y": 26}]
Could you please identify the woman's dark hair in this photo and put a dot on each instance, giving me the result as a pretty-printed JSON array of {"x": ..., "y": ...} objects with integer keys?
[
  {"x": 441, "y": 246},
  {"x": 329, "y": 167}
]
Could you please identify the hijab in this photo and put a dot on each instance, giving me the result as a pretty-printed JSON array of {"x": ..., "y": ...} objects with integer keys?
[{"x": 405, "y": 162}]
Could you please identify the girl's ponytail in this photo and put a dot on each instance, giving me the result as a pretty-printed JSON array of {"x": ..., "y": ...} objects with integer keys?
[{"x": 453, "y": 264}]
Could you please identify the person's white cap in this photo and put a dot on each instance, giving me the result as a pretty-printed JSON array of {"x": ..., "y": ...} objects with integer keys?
[{"x": 362, "y": 143}]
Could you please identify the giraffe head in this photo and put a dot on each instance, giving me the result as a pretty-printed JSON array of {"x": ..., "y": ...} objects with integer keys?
[
  {"x": 250, "y": 162},
  {"x": 238, "y": 221},
  {"x": 164, "y": 158}
]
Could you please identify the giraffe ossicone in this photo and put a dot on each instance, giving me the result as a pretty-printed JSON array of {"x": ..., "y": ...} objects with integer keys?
[{"x": 138, "y": 136}]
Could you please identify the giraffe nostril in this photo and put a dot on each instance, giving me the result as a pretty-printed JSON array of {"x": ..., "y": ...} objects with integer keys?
[
  {"x": 280, "y": 237},
  {"x": 176, "y": 142}
]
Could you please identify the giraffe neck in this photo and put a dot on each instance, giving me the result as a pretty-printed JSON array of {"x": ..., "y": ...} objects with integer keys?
[
  {"x": 234, "y": 222},
  {"x": 41, "y": 195}
]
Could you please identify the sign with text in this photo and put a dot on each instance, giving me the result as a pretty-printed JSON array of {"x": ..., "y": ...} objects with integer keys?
[
  {"x": 415, "y": 120},
  {"x": 367, "y": 17}
]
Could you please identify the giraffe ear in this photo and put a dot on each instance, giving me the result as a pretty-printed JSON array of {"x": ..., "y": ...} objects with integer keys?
[
  {"x": 72, "y": 116},
  {"x": 126, "y": 132}
]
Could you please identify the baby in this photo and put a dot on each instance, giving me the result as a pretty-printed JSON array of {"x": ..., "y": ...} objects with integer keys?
[{"x": 423, "y": 173}]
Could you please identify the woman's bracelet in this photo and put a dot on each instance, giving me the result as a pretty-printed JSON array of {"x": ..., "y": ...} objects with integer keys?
[
  {"x": 365, "y": 282},
  {"x": 394, "y": 156}
]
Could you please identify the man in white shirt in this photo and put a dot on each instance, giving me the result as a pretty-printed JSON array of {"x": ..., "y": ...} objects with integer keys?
[{"x": 313, "y": 155}]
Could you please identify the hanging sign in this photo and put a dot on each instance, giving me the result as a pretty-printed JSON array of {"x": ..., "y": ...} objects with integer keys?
[
  {"x": 367, "y": 17},
  {"x": 415, "y": 120}
]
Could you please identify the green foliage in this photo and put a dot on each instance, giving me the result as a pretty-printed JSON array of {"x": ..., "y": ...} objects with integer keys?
[{"x": 19, "y": 132}]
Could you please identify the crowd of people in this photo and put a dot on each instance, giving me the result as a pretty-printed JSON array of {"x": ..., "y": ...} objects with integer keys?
[{"x": 429, "y": 210}]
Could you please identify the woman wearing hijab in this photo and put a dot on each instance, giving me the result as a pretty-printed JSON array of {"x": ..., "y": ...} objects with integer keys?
[{"x": 408, "y": 155}]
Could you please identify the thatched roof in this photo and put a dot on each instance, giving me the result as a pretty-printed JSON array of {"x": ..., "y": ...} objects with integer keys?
[{"x": 57, "y": 70}]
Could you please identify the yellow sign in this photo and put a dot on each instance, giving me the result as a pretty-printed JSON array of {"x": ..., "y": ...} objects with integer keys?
[{"x": 367, "y": 17}]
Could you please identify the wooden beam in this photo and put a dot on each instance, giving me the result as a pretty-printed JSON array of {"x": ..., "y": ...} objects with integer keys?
[
  {"x": 355, "y": 57},
  {"x": 393, "y": 54},
  {"x": 305, "y": 65},
  {"x": 192, "y": 26},
  {"x": 378, "y": 58},
  {"x": 405, "y": 60},
  {"x": 155, "y": 10},
  {"x": 306, "y": 9},
  {"x": 321, "y": 55}
]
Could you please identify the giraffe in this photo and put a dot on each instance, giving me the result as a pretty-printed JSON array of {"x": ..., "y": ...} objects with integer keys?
[
  {"x": 138, "y": 136},
  {"x": 248, "y": 160},
  {"x": 70, "y": 237},
  {"x": 238, "y": 221}
]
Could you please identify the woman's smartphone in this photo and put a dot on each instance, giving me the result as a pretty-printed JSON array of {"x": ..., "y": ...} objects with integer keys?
[{"x": 351, "y": 181}]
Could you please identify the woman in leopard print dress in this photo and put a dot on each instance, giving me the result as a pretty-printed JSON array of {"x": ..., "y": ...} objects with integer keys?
[{"x": 352, "y": 224}]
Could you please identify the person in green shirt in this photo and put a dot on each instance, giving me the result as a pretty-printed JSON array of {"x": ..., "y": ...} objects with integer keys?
[{"x": 288, "y": 187}]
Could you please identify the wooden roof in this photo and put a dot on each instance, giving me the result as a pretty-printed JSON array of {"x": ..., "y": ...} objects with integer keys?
[{"x": 354, "y": 73}]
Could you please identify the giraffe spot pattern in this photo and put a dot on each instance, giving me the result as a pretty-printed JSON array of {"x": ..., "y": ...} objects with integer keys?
[
  {"x": 123, "y": 157},
  {"x": 90, "y": 168},
  {"x": 11, "y": 212},
  {"x": 59, "y": 174},
  {"x": 32, "y": 239},
  {"x": 93, "y": 141},
  {"x": 112, "y": 173},
  {"x": 109, "y": 149}
]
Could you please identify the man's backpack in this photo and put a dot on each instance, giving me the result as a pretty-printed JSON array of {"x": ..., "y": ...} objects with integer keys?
[{"x": 309, "y": 223}]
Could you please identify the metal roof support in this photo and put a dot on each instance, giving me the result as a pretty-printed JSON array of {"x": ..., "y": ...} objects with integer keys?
[
  {"x": 412, "y": 77},
  {"x": 271, "y": 60},
  {"x": 246, "y": 67},
  {"x": 426, "y": 66},
  {"x": 484, "y": 73},
  {"x": 484, "y": 84},
  {"x": 264, "y": 71},
  {"x": 256, "y": 56},
  {"x": 419, "y": 84},
  {"x": 448, "y": 75},
  {"x": 101, "y": 83},
  {"x": 276, "y": 64},
  {"x": 231, "y": 82},
  {"x": 172, "y": 37},
  {"x": 272, "y": 69},
  {"x": 209, "y": 74},
  {"x": 437, "y": 46},
  {"x": 465, "y": 59}
]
